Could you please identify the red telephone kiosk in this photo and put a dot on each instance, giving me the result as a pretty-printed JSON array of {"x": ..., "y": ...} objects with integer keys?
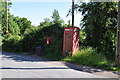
[{"x": 71, "y": 40}]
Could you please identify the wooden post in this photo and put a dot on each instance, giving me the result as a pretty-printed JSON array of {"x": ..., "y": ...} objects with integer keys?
[
  {"x": 72, "y": 13},
  {"x": 6, "y": 16},
  {"x": 117, "y": 56}
]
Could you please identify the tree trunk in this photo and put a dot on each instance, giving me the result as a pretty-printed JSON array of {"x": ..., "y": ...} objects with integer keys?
[{"x": 117, "y": 57}]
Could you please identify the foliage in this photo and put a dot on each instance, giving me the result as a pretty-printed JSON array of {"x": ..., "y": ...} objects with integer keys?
[
  {"x": 16, "y": 25},
  {"x": 30, "y": 30},
  {"x": 3, "y": 15},
  {"x": 12, "y": 43},
  {"x": 13, "y": 26},
  {"x": 100, "y": 28},
  {"x": 25, "y": 37},
  {"x": 89, "y": 56},
  {"x": 54, "y": 50},
  {"x": 56, "y": 17},
  {"x": 46, "y": 22},
  {"x": 55, "y": 32},
  {"x": 23, "y": 24},
  {"x": 82, "y": 37},
  {"x": 38, "y": 37}
]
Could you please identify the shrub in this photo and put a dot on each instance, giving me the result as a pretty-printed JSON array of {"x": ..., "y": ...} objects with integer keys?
[
  {"x": 87, "y": 56},
  {"x": 12, "y": 43},
  {"x": 53, "y": 50},
  {"x": 37, "y": 37}
]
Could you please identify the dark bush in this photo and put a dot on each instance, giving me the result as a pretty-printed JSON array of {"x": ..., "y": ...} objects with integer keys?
[
  {"x": 37, "y": 37},
  {"x": 12, "y": 43}
]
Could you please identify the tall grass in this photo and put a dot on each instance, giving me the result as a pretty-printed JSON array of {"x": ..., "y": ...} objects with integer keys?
[{"x": 88, "y": 56}]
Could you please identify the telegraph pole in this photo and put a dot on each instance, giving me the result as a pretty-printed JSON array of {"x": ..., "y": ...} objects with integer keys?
[
  {"x": 117, "y": 56},
  {"x": 72, "y": 13},
  {"x": 6, "y": 16}
]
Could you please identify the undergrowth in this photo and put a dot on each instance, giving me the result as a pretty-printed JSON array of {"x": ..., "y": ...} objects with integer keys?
[{"x": 89, "y": 56}]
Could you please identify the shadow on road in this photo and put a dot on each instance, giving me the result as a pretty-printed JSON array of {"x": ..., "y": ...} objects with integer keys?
[
  {"x": 36, "y": 68},
  {"x": 86, "y": 68},
  {"x": 83, "y": 68},
  {"x": 21, "y": 58}
]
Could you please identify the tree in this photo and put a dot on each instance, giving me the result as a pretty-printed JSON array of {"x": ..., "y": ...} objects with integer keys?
[
  {"x": 17, "y": 25},
  {"x": 45, "y": 23},
  {"x": 117, "y": 58},
  {"x": 100, "y": 28},
  {"x": 56, "y": 17},
  {"x": 13, "y": 27},
  {"x": 47, "y": 20},
  {"x": 23, "y": 24}
]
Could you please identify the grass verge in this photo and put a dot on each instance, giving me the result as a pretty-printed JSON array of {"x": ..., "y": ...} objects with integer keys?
[{"x": 90, "y": 57}]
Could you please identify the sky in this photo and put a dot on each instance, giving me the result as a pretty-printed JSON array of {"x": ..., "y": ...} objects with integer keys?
[{"x": 36, "y": 11}]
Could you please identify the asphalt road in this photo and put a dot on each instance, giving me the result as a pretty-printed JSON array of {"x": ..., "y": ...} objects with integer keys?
[{"x": 21, "y": 66}]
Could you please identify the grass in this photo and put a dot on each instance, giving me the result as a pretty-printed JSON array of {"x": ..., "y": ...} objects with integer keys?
[
  {"x": 90, "y": 57},
  {"x": 87, "y": 56},
  {"x": 56, "y": 57}
]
